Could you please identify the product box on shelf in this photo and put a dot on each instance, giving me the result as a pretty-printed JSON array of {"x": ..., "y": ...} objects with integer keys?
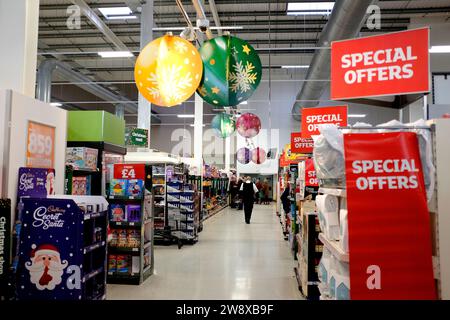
[
  {"x": 117, "y": 212},
  {"x": 118, "y": 187},
  {"x": 82, "y": 158}
]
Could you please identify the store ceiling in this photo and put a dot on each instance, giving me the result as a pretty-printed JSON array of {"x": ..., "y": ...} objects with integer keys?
[{"x": 285, "y": 39}]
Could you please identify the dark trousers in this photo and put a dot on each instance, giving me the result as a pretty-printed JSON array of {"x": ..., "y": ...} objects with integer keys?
[{"x": 248, "y": 209}]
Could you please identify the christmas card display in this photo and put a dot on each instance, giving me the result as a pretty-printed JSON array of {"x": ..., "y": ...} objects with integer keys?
[
  {"x": 81, "y": 186},
  {"x": 112, "y": 263},
  {"x": 36, "y": 182},
  {"x": 117, "y": 213},
  {"x": 135, "y": 188},
  {"x": 123, "y": 264},
  {"x": 118, "y": 187},
  {"x": 133, "y": 213},
  {"x": 82, "y": 158}
]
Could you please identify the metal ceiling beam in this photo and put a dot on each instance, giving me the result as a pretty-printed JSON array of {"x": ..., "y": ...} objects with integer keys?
[
  {"x": 101, "y": 26},
  {"x": 93, "y": 34},
  {"x": 338, "y": 27},
  {"x": 215, "y": 13}
]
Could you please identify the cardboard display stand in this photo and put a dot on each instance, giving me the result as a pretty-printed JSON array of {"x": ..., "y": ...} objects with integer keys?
[{"x": 38, "y": 134}]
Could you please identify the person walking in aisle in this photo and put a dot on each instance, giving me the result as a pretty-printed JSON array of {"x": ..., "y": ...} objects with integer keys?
[
  {"x": 233, "y": 190},
  {"x": 258, "y": 196},
  {"x": 265, "y": 191},
  {"x": 240, "y": 182},
  {"x": 248, "y": 190}
]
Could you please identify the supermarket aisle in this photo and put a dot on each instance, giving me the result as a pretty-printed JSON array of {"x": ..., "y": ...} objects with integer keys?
[{"x": 232, "y": 260}]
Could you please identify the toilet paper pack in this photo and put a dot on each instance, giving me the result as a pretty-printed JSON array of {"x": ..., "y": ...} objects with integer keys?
[{"x": 328, "y": 207}]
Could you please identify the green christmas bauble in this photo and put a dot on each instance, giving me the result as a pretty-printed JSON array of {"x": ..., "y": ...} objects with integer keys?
[
  {"x": 223, "y": 124},
  {"x": 231, "y": 71}
]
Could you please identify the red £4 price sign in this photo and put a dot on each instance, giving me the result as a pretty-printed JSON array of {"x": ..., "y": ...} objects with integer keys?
[{"x": 129, "y": 171}]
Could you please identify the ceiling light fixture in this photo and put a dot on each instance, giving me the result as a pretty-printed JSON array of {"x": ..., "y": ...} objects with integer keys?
[
  {"x": 243, "y": 103},
  {"x": 310, "y": 8},
  {"x": 115, "y": 13},
  {"x": 295, "y": 67},
  {"x": 122, "y": 17},
  {"x": 185, "y": 116},
  {"x": 56, "y": 104},
  {"x": 115, "y": 54},
  {"x": 196, "y": 28},
  {"x": 193, "y": 125},
  {"x": 357, "y": 115},
  {"x": 440, "y": 49}
]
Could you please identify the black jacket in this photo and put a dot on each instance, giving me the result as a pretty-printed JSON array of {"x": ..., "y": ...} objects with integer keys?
[{"x": 285, "y": 199}]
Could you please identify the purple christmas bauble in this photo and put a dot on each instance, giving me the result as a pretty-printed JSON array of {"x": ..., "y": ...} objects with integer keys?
[
  {"x": 258, "y": 155},
  {"x": 248, "y": 125},
  {"x": 243, "y": 155}
]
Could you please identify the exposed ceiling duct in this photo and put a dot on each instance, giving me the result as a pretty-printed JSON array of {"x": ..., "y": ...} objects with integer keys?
[
  {"x": 345, "y": 22},
  {"x": 44, "y": 85}
]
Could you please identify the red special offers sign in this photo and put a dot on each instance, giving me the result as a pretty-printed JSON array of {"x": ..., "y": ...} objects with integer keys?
[
  {"x": 310, "y": 174},
  {"x": 301, "y": 145},
  {"x": 312, "y": 117},
  {"x": 388, "y": 220},
  {"x": 129, "y": 171},
  {"x": 390, "y": 64}
]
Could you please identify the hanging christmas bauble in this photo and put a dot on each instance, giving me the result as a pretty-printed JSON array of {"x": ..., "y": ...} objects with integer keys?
[
  {"x": 258, "y": 155},
  {"x": 168, "y": 71},
  {"x": 248, "y": 125},
  {"x": 223, "y": 125},
  {"x": 231, "y": 71},
  {"x": 243, "y": 155}
]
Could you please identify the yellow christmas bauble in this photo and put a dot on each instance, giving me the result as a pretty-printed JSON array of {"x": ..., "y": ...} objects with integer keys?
[{"x": 168, "y": 71}]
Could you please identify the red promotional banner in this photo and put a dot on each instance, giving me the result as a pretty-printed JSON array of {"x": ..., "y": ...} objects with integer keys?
[
  {"x": 129, "y": 171},
  {"x": 312, "y": 117},
  {"x": 389, "y": 64},
  {"x": 301, "y": 145},
  {"x": 310, "y": 174},
  {"x": 388, "y": 220}
]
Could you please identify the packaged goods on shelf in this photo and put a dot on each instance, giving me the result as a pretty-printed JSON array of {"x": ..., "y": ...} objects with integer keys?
[
  {"x": 82, "y": 158},
  {"x": 324, "y": 272},
  {"x": 329, "y": 153},
  {"x": 328, "y": 207},
  {"x": 339, "y": 282},
  {"x": 343, "y": 226}
]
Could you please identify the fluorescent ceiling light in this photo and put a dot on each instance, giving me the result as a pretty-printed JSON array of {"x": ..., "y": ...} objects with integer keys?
[
  {"x": 121, "y": 17},
  {"x": 115, "y": 54},
  {"x": 357, "y": 115},
  {"x": 243, "y": 103},
  {"x": 295, "y": 67},
  {"x": 309, "y": 13},
  {"x": 185, "y": 116},
  {"x": 310, "y": 6},
  {"x": 440, "y": 49},
  {"x": 111, "y": 13},
  {"x": 56, "y": 104},
  {"x": 193, "y": 125}
]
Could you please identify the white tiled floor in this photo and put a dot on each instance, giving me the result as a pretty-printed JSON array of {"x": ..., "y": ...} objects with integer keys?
[{"x": 232, "y": 260}]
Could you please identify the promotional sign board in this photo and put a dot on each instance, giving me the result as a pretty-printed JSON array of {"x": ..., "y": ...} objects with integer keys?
[
  {"x": 50, "y": 266},
  {"x": 129, "y": 171},
  {"x": 312, "y": 117},
  {"x": 389, "y": 64},
  {"x": 388, "y": 220},
  {"x": 310, "y": 174},
  {"x": 40, "y": 151},
  {"x": 301, "y": 145},
  {"x": 136, "y": 137},
  {"x": 36, "y": 182}
]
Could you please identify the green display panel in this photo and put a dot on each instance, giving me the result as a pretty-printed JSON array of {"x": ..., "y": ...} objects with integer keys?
[{"x": 95, "y": 126}]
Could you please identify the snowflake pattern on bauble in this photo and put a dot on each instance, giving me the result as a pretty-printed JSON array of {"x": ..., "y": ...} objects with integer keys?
[
  {"x": 172, "y": 83},
  {"x": 243, "y": 76}
]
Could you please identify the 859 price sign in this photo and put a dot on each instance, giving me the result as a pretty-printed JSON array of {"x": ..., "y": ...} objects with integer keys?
[{"x": 40, "y": 145}]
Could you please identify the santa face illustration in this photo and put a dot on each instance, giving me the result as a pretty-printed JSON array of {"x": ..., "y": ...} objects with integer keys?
[
  {"x": 46, "y": 268},
  {"x": 49, "y": 184}
]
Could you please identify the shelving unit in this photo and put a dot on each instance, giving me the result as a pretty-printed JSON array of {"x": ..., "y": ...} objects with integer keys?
[
  {"x": 81, "y": 242},
  {"x": 131, "y": 236},
  {"x": 334, "y": 247}
]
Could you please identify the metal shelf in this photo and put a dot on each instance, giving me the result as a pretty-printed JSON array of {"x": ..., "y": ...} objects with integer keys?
[
  {"x": 93, "y": 247},
  {"x": 125, "y": 198},
  {"x": 116, "y": 224},
  {"x": 92, "y": 274},
  {"x": 334, "y": 247},
  {"x": 94, "y": 215}
]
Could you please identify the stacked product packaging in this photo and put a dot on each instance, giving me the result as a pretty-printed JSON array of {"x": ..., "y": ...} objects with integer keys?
[{"x": 334, "y": 271}]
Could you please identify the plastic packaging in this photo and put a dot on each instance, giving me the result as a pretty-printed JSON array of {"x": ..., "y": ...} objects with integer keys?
[{"x": 329, "y": 153}]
